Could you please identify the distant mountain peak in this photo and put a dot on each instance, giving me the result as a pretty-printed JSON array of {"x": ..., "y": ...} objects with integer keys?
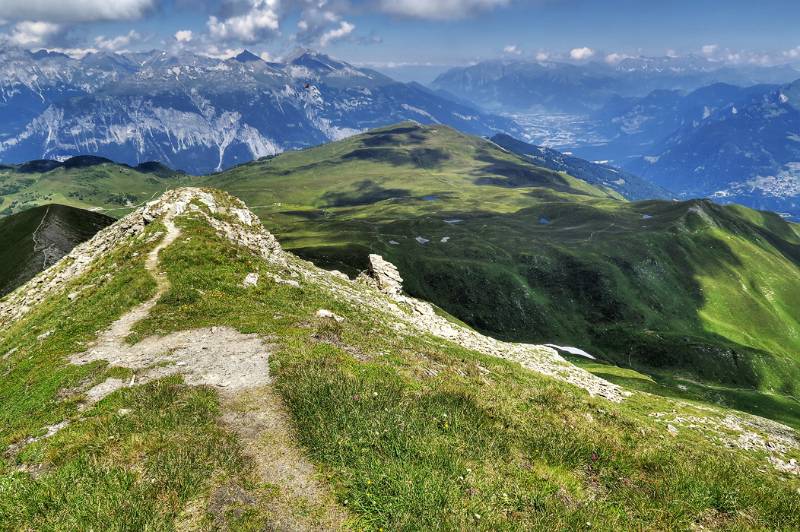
[
  {"x": 316, "y": 61},
  {"x": 246, "y": 56}
]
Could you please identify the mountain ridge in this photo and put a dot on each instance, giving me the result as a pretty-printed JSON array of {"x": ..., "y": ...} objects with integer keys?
[
  {"x": 511, "y": 250},
  {"x": 198, "y": 113},
  {"x": 164, "y": 395},
  {"x": 520, "y": 85}
]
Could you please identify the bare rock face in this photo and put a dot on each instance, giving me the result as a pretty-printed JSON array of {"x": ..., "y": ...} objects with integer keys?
[{"x": 384, "y": 276}]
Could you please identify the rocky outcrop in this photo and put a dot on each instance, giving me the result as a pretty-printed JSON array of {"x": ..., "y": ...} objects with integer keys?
[{"x": 384, "y": 276}]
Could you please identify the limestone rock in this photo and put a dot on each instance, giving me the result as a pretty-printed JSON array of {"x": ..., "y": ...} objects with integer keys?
[
  {"x": 385, "y": 276},
  {"x": 327, "y": 314}
]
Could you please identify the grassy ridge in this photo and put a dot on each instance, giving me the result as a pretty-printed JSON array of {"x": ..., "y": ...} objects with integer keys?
[
  {"x": 412, "y": 432},
  {"x": 528, "y": 254},
  {"x": 111, "y": 188},
  {"x": 686, "y": 290}
]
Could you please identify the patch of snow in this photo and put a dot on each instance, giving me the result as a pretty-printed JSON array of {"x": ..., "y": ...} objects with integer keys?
[
  {"x": 419, "y": 111},
  {"x": 422, "y": 240},
  {"x": 571, "y": 351}
]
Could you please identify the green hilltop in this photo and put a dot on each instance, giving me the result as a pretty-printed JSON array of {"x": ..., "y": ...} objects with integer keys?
[
  {"x": 688, "y": 290},
  {"x": 84, "y": 182}
]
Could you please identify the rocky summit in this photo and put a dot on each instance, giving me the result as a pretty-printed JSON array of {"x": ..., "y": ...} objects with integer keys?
[{"x": 182, "y": 370}]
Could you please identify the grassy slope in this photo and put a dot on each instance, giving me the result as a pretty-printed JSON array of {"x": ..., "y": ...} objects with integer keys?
[
  {"x": 661, "y": 286},
  {"x": 412, "y": 432},
  {"x": 108, "y": 187},
  {"x": 18, "y": 259}
]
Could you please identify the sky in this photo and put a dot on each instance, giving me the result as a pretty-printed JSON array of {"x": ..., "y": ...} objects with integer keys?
[{"x": 415, "y": 35}]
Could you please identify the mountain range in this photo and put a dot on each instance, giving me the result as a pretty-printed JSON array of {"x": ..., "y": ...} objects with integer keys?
[
  {"x": 743, "y": 149},
  {"x": 519, "y": 86},
  {"x": 200, "y": 114}
]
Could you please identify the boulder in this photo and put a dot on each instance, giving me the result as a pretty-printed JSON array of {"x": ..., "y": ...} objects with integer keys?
[{"x": 385, "y": 276}]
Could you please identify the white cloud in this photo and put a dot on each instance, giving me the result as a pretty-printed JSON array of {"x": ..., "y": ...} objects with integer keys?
[
  {"x": 29, "y": 33},
  {"x": 709, "y": 49},
  {"x": 116, "y": 43},
  {"x": 614, "y": 58},
  {"x": 262, "y": 19},
  {"x": 794, "y": 53},
  {"x": 512, "y": 49},
  {"x": 439, "y": 9},
  {"x": 216, "y": 52},
  {"x": 581, "y": 54},
  {"x": 73, "y": 10},
  {"x": 345, "y": 28},
  {"x": 542, "y": 56},
  {"x": 184, "y": 35}
]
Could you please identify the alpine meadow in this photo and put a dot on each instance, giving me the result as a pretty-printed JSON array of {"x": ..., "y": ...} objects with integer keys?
[{"x": 368, "y": 265}]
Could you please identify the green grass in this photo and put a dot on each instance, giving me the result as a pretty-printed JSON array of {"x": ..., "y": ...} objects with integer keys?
[
  {"x": 412, "y": 432},
  {"x": 459, "y": 450},
  {"x": 110, "y": 188},
  {"x": 782, "y": 408}
]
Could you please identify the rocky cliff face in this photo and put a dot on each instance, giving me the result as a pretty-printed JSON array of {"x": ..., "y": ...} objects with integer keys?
[{"x": 200, "y": 114}]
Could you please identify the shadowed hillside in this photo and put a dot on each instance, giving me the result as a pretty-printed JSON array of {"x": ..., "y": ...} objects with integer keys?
[{"x": 34, "y": 240}]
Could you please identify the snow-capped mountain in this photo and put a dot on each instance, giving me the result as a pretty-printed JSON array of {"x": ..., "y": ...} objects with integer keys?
[{"x": 202, "y": 114}]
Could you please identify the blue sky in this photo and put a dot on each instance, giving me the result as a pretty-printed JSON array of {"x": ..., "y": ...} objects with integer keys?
[{"x": 389, "y": 33}]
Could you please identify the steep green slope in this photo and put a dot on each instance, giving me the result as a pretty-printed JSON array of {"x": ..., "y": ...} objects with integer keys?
[
  {"x": 34, "y": 240},
  {"x": 86, "y": 182},
  {"x": 364, "y": 418},
  {"x": 528, "y": 254},
  {"x": 602, "y": 175}
]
